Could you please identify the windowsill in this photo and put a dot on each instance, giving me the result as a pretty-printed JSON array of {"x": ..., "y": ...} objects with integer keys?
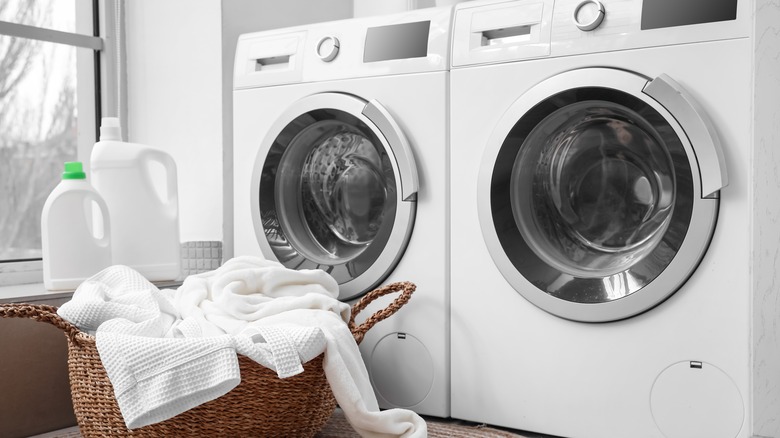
[
  {"x": 196, "y": 257},
  {"x": 27, "y": 293}
]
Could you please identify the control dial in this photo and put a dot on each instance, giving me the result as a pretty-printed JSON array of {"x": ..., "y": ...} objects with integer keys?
[
  {"x": 588, "y": 15},
  {"x": 328, "y": 48}
]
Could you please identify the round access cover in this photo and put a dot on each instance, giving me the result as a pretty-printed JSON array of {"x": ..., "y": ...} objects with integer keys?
[
  {"x": 401, "y": 369},
  {"x": 696, "y": 400}
]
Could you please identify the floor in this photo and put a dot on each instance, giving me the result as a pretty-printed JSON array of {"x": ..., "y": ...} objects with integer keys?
[
  {"x": 437, "y": 426},
  {"x": 71, "y": 432}
]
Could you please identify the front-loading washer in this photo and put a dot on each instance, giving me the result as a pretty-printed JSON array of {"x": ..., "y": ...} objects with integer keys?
[
  {"x": 601, "y": 217},
  {"x": 340, "y": 164}
]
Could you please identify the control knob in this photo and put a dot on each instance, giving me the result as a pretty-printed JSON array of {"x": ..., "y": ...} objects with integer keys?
[
  {"x": 328, "y": 48},
  {"x": 588, "y": 15}
]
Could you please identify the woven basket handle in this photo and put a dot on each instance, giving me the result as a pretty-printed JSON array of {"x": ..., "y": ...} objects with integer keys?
[
  {"x": 359, "y": 332},
  {"x": 42, "y": 313}
]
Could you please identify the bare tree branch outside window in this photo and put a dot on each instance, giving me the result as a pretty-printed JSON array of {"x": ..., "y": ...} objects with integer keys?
[{"x": 38, "y": 120}]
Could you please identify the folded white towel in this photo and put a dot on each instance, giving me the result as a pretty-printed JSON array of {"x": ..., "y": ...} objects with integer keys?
[
  {"x": 155, "y": 379},
  {"x": 273, "y": 315}
]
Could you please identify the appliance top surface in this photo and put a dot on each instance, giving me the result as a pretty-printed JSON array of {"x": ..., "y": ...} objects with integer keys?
[
  {"x": 492, "y": 31},
  {"x": 416, "y": 41}
]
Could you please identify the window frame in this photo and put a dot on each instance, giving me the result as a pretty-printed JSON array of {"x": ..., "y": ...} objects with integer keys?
[{"x": 93, "y": 19}]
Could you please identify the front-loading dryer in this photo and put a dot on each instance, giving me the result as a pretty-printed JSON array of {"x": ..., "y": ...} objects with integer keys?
[
  {"x": 601, "y": 217},
  {"x": 340, "y": 164}
]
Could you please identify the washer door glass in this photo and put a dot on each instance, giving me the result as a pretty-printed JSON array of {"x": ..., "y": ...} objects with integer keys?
[
  {"x": 592, "y": 195},
  {"x": 328, "y": 194}
]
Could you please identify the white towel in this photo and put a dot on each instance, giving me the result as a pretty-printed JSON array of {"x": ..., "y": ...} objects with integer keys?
[
  {"x": 348, "y": 378},
  {"x": 247, "y": 289},
  {"x": 276, "y": 316}
]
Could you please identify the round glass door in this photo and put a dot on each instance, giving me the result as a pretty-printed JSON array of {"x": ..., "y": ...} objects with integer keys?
[
  {"x": 592, "y": 192},
  {"x": 605, "y": 177},
  {"x": 327, "y": 197}
]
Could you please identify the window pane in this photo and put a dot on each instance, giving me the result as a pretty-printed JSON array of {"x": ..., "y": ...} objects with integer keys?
[
  {"x": 38, "y": 126},
  {"x": 51, "y": 14}
]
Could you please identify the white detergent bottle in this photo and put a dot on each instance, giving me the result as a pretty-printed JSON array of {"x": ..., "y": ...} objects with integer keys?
[
  {"x": 75, "y": 240},
  {"x": 143, "y": 205}
]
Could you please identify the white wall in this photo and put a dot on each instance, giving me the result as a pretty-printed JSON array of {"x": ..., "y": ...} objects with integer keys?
[
  {"x": 366, "y": 8},
  {"x": 174, "y": 98},
  {"x": 179, "y": 97}
]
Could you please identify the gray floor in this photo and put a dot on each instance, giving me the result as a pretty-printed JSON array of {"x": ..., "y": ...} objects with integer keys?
[
  {"x": 73, "y": 432},
  {"x": 518, "y": 432}
]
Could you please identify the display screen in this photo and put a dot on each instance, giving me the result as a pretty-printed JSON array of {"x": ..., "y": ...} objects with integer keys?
[
  {"x": 669, "y": 13},
  {"x": 397, "y": 41}
]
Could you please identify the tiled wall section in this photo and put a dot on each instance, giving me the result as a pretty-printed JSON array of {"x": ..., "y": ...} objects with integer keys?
[
  {"x": 200, "y": 256},
  {"x": 766, "y": 228}
]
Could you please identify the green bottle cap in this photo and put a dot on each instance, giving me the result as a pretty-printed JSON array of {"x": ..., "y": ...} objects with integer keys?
[{"x": 73, "y": 170}]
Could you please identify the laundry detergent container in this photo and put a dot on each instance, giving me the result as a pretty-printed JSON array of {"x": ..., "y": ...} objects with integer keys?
[
  {"x": 139, "y": 184},
  {"x": 74, "y": 231}
]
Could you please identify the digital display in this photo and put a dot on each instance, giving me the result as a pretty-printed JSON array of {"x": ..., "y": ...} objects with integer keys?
[
  {"x": 397, "y": 41},
  {"x": 669, "y": 13}
]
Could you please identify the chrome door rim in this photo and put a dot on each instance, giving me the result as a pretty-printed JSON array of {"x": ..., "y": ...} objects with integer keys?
[
  {"x": 692, "y": 249},
  {"x": 394, "y": 144}
]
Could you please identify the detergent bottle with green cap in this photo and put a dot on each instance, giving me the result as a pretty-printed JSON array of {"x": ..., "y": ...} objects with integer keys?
[
  {"x": 75, "y": 230},
  {"x": 139, "y": 185}
]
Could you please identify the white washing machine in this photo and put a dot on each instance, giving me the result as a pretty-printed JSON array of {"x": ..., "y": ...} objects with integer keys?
[
  {"x": 340, "y": 164},
  {"x": 600, "y": 225}
]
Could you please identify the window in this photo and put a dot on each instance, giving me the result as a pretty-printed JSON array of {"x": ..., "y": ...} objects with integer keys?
[{"x": 48, "y": 112}]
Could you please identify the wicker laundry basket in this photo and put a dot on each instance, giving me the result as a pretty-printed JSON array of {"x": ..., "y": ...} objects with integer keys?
[{"x": 262, "y": 405}]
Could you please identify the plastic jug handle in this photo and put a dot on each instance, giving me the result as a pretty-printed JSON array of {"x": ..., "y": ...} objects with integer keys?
[
  {"x": 169, "y": 164},
  {"x": 105, "y": 239}
]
